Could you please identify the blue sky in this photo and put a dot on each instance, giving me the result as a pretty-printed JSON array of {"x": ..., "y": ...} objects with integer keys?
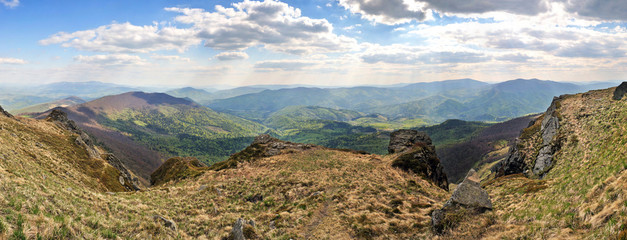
[{"x": 320, "y": 42}]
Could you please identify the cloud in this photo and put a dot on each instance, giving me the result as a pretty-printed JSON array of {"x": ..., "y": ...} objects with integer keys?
[
  {"x": 271, "y": 24},
  {"x": 517, "y": 57},
  {"x": 402, "y": 54},
  {"x": 229, "y": 56},
  {"x": 111, "y": 60},
  {"x": 285, "y": 65},
  {"x": 589, "y": 49},
  {"x": 125, "y": 37},
  {"x": 392, "y": 12},
  {"x": 387, "y": 11},
  {"x": 170, "y": 58},
  {"x": 10, "y": 3},
  {"x": 525, "y": 7},
  {"x": 12, "y": 61},
  {"x": 599, "y": 9}
]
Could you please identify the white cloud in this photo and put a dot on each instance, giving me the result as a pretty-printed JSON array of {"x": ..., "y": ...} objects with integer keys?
[
  {"x": 170, "y": 58},
  {"x": 111, "y": 60},
  {"x": 271, "y": 24},
  {"x": 285, "y": 65},
  {"x": 228, "y": 56},
  {"x": 12, "y": 61},
  {"x": 10, "y": 3},
  {"x": 125, "y": 37},
  {"x": 403, "y": 54}
]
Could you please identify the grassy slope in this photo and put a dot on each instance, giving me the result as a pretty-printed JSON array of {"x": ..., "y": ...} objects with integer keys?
[
  {"x": 48, "y": 182},
  {"x": 317, "y": 193},
  {"x": 584, "y": 195}
]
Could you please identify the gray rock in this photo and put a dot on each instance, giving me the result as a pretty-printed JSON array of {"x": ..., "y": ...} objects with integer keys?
[
  {"x": 401, "y": 140},
  {"x": 5, "y": 113},
  {"x": 620, "y": 91},
  {"x": 166, "y": 222},
  {"x": 544, "y": 160},
  {"x": 237, "y": 233},
  {"x": 202, "y": 187},
  {"x": 62, "y": 120},
  {"x": 437, "y": 218},
  {"x": 470, "y": 195}
]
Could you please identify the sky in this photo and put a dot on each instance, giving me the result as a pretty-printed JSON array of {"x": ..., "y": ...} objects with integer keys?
[{"x": 315, "y": 42}]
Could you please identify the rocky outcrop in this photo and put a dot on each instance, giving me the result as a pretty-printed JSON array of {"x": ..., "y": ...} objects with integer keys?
[
  {"x": 419, "y": 158},
  {"x": 272, "y": 146},
  {"x": 177, "y": 168},
  {"x": 264, "y": 145},
  {"x": 5, "y": 113},
  {"x": 404, "y": 139},
  {"x": 467, "y": 199},
  {"x": 165, "y": 222},
  {"x": 548, "y": 131},
  {"x": 60, "y": 117},
  {"x": 620, "y": 91},
  {"x": 550, "y": 126},
  {"x": 243, "y": 230},
  {"x": 126, "y": 179}
]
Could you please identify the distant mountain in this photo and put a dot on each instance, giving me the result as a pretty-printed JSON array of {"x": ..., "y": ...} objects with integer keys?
[
  {"x": 495, "y": 102},
  {"x": 142, "y": 129},
  {"x": 85, "y": 90},
  {"x": 204, "y": 97},
  {"x": 66, "y": 102}
]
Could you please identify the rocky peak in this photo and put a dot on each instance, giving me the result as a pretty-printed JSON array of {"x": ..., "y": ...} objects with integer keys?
[
  {"x": 403, "y": 139},
  {"x": 417, "y": 155},
  {"x": 177, "y": 168},
  {"x": 59, "y": 116},
  {"x": 5, "y": 113},
  {"x": 620, "y": 91}
]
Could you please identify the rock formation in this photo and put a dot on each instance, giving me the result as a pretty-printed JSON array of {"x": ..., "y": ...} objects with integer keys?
[
  {"x": 620, "y": 91},
  {"x": 467, "y": 199},
  {"x": 404, "y": 139},
  {"x": 243, "y": 230},
  {"x": 263, "y": 146},
  {"x": 177, "y": 168},
  {"x": 127, "y": 179},
  {"x": 166, "y": 222},
  {"x": 5, "y": 113},
  {"x": 419, "y": 157},
  {"x": 548, "y": 130}
]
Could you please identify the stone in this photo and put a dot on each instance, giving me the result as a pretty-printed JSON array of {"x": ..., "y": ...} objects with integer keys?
[
  {"x": 166, "y": 222},
  {"x": 237, "y": 233},
  {"x": 202, "y": 187},
  {"x": 467, "y": 199},
  {"x": 403, "y": 139},
  {"x": 620, "y": 91},
  {"x": 469, "y": 194},
  {"x": 421, "y": 158}
]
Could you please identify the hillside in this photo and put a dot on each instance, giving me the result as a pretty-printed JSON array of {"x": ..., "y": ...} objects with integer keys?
[
  {"x": 143, "y": 129},
  {"x": 294, "y": 191},
  {"x": 565, "y": 178},
  {"x": 288, "y": 117}
]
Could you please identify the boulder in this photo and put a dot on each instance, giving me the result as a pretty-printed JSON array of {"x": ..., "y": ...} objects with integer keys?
[
  {"x": 129, "y": 182},
  {"x": 166, "y": 222},
  {"x": 467, "y": 200},
  {"x": 243, "y": 229},
  {"x": 469, "y": 194},
  {"x": 620, "y": 91},
  {"x": 401, "y": 140},
  {"x": 420, "y": 158}
]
